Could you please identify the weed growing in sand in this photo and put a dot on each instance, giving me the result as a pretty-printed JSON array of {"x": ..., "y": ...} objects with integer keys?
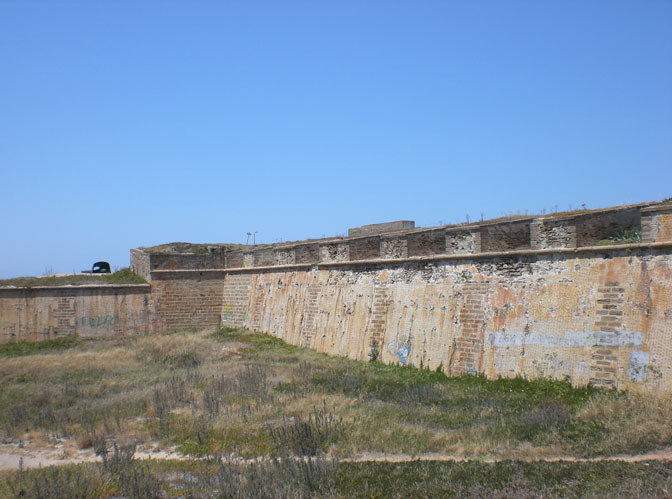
[{"x": 308, "y": 437}]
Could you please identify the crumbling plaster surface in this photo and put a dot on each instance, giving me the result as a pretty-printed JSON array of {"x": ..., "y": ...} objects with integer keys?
[
  {"x": 607, "y": 321},
  {"x": 463, "y": 242}
]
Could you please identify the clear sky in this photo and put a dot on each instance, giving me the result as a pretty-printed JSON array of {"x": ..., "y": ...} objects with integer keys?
[{"x": 126, "y": 124}]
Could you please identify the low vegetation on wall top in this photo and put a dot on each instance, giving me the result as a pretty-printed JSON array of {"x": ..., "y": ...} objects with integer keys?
[
  {"x": 123, "y": 276},
  {"x": 191, "y": 248}
]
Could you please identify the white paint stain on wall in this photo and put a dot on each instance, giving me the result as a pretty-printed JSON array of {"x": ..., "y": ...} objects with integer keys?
[
  {"x": 638, "y": 365},
  {"x": 568, "y": 339}
]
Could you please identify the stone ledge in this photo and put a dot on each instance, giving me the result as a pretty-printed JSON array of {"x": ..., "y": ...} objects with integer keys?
[{"x": 657, "y": 208}]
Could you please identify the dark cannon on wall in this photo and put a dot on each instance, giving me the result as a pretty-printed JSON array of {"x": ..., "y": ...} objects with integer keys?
[{"x": 99, "y": 268}]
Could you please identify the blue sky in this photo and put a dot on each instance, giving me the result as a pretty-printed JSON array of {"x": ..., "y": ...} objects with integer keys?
[{"x": 126, "y": 124}]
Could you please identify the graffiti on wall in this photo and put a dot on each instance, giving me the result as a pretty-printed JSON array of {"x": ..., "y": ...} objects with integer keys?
[
  {"x": 400, "y": 350},
  {"x": 227, "y": 312},
  {"x": 100, "y": 321}
]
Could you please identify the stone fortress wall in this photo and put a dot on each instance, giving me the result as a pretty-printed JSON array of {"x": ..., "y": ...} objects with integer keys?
[
  {"x": 565, "y": 296},
  {"x": 525, "y": 296}
]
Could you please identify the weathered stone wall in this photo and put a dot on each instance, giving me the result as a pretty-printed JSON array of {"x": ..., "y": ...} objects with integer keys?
[
  {"x": 393, "y": 247},
  {"x": 45, "y": 312},
  {"x": 657, "y": 223},
  {"x": 599, "y": 317},
  {"x": 515, "y": 297},
  {"x": 335, "y": 252},
  {"x": 285, "y": 256},
  {"x": 463, "y": 241},
  {"x": 553, "y": 233},
  {"x": 140, "y": 263}
]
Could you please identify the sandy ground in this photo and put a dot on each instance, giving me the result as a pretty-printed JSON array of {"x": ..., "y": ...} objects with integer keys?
[{"x": 33, "y": 455}]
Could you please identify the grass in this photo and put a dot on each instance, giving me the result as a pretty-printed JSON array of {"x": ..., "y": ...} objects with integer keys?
[
  {"x": 22, "y": 348},
  {"x": 250, "y": 394},
  {"x": 239, "y": 393},
  {"x": 122, "y": 475},
  {"x": 123, "y": 276},
  {"x": 503, "y": 479},
  {"x": 190, "y": 248}
]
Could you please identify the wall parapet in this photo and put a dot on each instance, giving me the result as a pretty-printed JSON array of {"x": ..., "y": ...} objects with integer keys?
[
  {"x": 427, "y": 258},
  {"x": 582, "y": 229},
  {"x": 648, "y": 222},
  {"x": 144, "y": 263}
]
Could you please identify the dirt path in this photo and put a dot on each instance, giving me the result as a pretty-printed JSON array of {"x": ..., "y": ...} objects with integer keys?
[
  {"x": 11, "y": 455},
  {"x": 57, "y": 455},
  {"x": 657, "y": 455}
]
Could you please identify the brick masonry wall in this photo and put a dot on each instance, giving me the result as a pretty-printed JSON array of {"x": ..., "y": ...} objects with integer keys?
[
  {"x": 235, "y": 299},
  {"x": 39, "y": 313},
  {"x": 365, "y": 248},
  {"x": 186, "y": 299},
  {"x": 234, "y": 259},
  {"x": 264, "y": 257},
  {"x": 426, "y": 243},
  {"x": 183, "y": 261},
  {"x": 606, "y": 321},
  {"x": 506, "y": 236}
]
